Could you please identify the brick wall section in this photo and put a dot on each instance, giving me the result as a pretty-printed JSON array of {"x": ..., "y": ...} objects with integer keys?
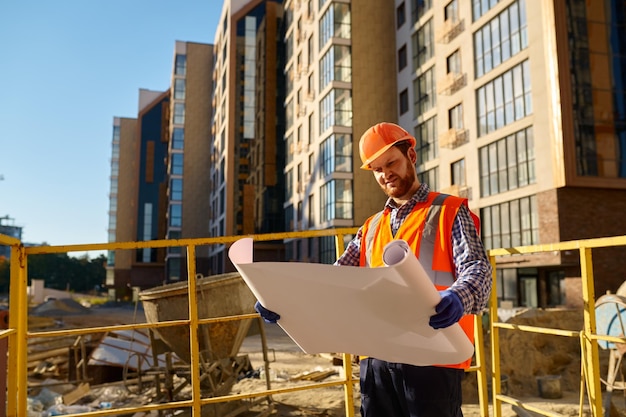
[{"x": 586, "y": 213}]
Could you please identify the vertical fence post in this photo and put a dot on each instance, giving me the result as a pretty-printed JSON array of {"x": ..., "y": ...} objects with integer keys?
[
  {"x": 194, "y": 349},
  {"x": 590, "y": 354},
  {"x": 495, "y": 341},
  {"x": 17, "y": 397}
]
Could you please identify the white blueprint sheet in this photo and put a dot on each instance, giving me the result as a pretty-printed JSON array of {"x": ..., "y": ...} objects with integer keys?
[{"x": 379, "y": 312}]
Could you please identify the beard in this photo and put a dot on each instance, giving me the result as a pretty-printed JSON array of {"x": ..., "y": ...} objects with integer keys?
[{"x": 402, "y": 185}]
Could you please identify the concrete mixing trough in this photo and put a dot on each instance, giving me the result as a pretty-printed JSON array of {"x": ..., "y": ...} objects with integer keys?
[{"x": 217, "y": 296}]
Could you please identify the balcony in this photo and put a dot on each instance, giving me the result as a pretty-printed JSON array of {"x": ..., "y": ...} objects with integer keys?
[
  {"x": 451, "y": 29},
  {"x": 453, "y": 138},
  {"x": 458, "y": 190},
  {"x": 451, "y": 83}
]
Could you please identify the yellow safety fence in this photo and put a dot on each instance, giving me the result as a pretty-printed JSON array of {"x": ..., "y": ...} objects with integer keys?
[{"x": 18, "y": 333}]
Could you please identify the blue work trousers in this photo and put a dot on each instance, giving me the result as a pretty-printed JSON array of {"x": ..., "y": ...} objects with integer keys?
[{"x": 401, "y": 390}]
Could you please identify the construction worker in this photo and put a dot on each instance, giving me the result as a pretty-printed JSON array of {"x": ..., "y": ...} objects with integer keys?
[{"x": 443, "y": 234}]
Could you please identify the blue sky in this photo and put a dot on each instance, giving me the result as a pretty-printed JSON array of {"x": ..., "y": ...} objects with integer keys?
[{"x": 69, "y": 67}]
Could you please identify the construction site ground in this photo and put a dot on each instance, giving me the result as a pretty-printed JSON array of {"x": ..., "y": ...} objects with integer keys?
[{"x": 524, "y": 357}]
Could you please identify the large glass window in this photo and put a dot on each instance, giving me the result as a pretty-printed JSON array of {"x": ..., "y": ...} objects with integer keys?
[
  {"x": 336, "y": 200},
  {"x": 426, "y": 137},
  {"x": 425, "y": 92},
  {"x": 402, "y": 58},
  {"x": 507, "y": 164},
  {"x": 335, "y": 23},
  {"x": 509, "y": 224},
  {"x": 335, "y": 66},
  {"x": 504, "y": 99},
  {"x": 336, "y": 109},
  {"x": 480, "y": 7},
  {"x": 423, "y": 44},
  {"x": 336, "y": 154},
  {"x": 500, "y": 38}
]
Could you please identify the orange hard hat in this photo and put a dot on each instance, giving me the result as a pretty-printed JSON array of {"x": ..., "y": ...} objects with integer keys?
[{"x": 380, "y": 137}]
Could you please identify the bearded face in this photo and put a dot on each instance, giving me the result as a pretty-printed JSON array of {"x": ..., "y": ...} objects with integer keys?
[{"x": 395, "y": 174}]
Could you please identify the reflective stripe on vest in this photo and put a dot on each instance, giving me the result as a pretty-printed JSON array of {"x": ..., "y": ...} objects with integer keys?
[{"x": 428, "y": 230}]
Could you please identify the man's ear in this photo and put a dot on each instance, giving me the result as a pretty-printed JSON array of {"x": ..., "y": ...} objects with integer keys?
[{"x": 412, "y": 155}]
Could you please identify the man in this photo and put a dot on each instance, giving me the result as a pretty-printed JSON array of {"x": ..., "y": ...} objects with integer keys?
[{"x": 441, "y": 231}]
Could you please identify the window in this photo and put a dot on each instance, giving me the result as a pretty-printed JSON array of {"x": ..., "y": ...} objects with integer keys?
[
  {"x": 176, "y": 189},
  {"x": 419, "y": 8},
  {"x": 336, "y": 109},
  {"x": 455, "y": 117},
  {"x": 453, "y": 62},
  {"x": 176, "y": 167},
  {"x": 179, "y": 113},
  {"x": 400, "y": 15},
  {"x": 480, "y": 7},
  {"x": 178, "y": 138},
  {"x": 179, "y": 89},
  {"x": 423, "y": 42},
  {"x": 336, "y": 200},
  {"x": 507, "y": 164},
  {"x": 335, "y": 23},
  {"x": 504, "y": 100},
  {"x": 509, "y": 224},
  {"x": 457, "y": 171},
  {"x": 426, "y": 137},
  {"x": 180, "y": 65},
  {"x": 335, "y": 65},
  {"x": 501, "y": 38},
  {"x": 425, "y": 93},
  {"x": 430, "y": 177},
  {"x": 336, "y": 154},
  {"x": 176, "y": 215},
  {"x": 451, "y": 11},
  {"x": 404, "y": 101},
  {"x": 402, "y": 58}
]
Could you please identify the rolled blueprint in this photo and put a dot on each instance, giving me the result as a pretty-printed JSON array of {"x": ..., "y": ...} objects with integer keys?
[
  {"x": 398, "y": 254},
  {"x": 380, "y": 312}
]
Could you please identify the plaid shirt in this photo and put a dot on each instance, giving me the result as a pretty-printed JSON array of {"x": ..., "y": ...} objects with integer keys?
[{"x": 472, "y": 267}]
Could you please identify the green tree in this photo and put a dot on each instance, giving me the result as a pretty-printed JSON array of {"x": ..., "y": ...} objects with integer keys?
[{"x": 60, "y": 271}]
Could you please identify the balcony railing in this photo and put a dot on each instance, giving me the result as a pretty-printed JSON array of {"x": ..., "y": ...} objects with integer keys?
[
  {"x": 459, "y": 191},
  {"x": 451, "y": 29},
  {"x": 451, "y": 83},
  {"x": 453, "y": 138}
]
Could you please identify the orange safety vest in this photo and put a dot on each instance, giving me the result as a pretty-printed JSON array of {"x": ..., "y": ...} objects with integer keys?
[{"x": 428, "y": 230}]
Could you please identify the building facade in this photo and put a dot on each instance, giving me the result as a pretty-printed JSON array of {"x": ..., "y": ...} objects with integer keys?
[{"x": 517, "y": 106}]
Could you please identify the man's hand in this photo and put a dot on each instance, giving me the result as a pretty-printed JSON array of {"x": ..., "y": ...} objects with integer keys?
[
  {"x": 448, "y": 311},
  {"x": 268, "y": 315}
]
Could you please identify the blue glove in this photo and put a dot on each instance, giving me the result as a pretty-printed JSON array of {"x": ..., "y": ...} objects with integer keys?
[
  {"x": 448, "y": 311},
  {"x": 268, "y": 315}
]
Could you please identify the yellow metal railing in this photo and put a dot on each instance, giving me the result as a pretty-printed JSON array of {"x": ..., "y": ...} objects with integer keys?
[
  {"x": 18, "y": 333},
  {"x": 590, "y": 363}
]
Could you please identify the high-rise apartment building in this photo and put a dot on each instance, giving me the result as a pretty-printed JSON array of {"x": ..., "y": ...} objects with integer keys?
[
  {"x": 340, "y": 80},
  {"x": 519, "y": 105},
  {"x": 247, "y": 144},
  {"x": 188, "y": 161},
  {"x": 159, "y": 175},
  {"x": 138, "y": 194}
]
